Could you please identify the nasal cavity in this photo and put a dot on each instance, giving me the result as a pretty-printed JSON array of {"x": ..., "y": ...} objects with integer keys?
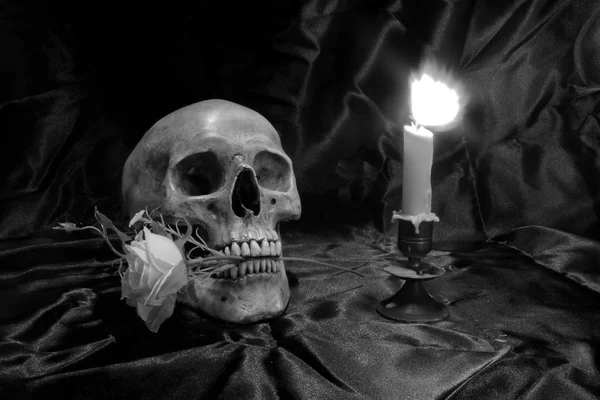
[{"x": 245, "y": 198}]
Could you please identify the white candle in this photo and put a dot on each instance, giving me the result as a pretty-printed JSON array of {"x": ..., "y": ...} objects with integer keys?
[
  {"x": 432, "y": 104},
  {"x": 416, "y": 171}
]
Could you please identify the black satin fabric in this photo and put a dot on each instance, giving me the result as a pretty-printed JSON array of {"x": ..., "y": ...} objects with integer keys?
[
  {"x": 516, "y": 185},
  {"x": 524, "y": 323}
]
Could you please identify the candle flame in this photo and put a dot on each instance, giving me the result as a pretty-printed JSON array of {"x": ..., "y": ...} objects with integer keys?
[{"x": 433, "y": 103}]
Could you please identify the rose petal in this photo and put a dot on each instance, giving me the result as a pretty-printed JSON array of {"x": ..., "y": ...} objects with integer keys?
[
  {"x": 155, "y": 316},
  {"x": 145, "y": 282},
  {"x": 169, "y": 284},
  {"x": 163, "y": 252},
  {"x": 137, "y": 267},
  {"x": 138, "y": 249},
  {"x": 133, "y": 261},
  {"x": 152, "y": 275},
  {"x": 143, "y": 310},
  {"x": 136, "y": 277},
  {"x": 176, "y": 280},
  {"x": 131, "y": 282},
  {"x": 155, "y": 298}
]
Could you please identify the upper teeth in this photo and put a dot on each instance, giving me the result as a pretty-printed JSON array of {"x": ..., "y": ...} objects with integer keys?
[{"x": 253, "y": 248}]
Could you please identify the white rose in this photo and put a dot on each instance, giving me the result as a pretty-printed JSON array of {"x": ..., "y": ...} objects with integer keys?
[{"x": 156, "y": 272}]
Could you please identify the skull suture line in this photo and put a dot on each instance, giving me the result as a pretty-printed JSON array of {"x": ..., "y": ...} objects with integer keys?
[{"x": 221, "y": 166}]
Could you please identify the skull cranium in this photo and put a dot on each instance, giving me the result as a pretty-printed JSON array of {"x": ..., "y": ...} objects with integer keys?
[{"x": 221, "y": 166}]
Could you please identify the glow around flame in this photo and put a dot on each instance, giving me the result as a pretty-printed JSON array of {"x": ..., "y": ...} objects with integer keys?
[{"x": 432, "y": 102}]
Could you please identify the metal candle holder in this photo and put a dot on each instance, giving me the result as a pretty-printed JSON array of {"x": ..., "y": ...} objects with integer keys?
[{"x": 412, "y": 303}]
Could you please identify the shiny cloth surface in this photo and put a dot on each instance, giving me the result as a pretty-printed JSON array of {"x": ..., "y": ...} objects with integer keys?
[
  {"x": 516, "y": 185},
  {"x": 517, "y": 328}
]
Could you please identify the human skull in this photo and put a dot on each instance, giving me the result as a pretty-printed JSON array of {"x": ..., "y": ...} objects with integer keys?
[{"x": 221, "y": 167}]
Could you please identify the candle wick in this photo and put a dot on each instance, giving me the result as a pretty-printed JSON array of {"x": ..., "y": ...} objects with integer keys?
[{"x": 415, "y": 124}]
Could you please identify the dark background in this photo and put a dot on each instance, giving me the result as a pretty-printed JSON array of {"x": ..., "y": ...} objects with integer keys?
[
  {"x": 80, "y": 84},
  {"x": 518, "y": 179}
]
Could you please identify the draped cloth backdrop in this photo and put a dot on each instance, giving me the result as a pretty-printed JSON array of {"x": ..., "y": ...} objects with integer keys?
[{"x": 516, "y": 186}]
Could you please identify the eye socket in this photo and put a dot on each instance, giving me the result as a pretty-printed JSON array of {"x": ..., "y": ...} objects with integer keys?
[
  {"x": 199, "y": 174},
  {"x": 272, "y": 171}
]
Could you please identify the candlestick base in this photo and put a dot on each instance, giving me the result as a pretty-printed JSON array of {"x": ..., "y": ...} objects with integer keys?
[{"x": 412, "y": 303}]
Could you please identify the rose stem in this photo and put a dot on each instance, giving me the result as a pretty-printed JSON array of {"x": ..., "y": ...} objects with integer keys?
[{"x": 238, "y": 258}]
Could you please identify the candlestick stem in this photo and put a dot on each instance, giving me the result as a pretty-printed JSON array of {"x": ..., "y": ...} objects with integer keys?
[
  {"x": 412, "y": 303},
  {"x": 415, "y": 264}
]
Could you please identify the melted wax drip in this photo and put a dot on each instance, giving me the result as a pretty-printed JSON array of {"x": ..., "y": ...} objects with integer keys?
[{"x": 415, "y": 219}]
